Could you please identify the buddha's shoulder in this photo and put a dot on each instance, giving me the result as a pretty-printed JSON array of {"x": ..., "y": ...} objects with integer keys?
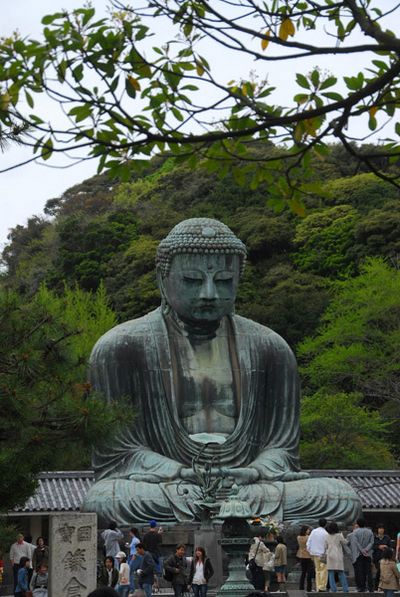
[
  {"x": 259, "y": 332},
  {"x": 134, "y": 332}
]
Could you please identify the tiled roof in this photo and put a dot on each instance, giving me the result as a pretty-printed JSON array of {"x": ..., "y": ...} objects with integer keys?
[
  {"x": 59, "y": 492},
  {"x": 378, "y": 490},
  {"x": 65, "y": 491}
]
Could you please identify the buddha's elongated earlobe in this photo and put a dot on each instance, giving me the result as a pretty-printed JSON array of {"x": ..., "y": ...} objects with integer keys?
[{"x": 165, "y": 306}]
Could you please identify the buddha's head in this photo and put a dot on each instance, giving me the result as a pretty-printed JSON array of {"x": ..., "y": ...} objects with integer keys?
[{"x": 199, "y": 265}]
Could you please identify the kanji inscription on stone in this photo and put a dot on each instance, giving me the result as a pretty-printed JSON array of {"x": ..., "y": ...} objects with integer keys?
[
  {"x": 73, "y": 554},
  {"x": 74, "y": 561},
  {"x": 85, "y": 533},
  {"x": 74, "y": 588},
  {"x": 65, "y": 532}
]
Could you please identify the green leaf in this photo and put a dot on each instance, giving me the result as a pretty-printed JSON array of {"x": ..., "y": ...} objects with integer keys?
[
  {"x": 354, "y": 83},
  {"x": 315, "y": 77},
  {"x": 49, "y": 19},
  {"x": 372, "y": 123},
  {"x": 302, "y": 81},
  {"x": 29, "y": 99},
  {"x": 81, "y": 112},
  {"x": 129, "y": 88},
  {"x": 380, "y": 64},
  {"x": 328, "y": 83},
  {"x": 301, "y": 98},
  {"x": 77, "y": 73},
  {"x": 178, "y": 115},
  {"x": 88, "y": 13},
  {"x": 114, "y": 84},
  {"x": 333, "y": 96},
  {"x": 47, "y": 149}
]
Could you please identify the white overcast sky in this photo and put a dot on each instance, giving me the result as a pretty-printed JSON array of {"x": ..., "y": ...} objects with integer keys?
[{"x": 25, "y": 190}]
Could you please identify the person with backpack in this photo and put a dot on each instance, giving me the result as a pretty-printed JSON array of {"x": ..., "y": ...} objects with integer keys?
[
  {"x": 176, "y": 570},
  {"x": 201, "y": 571}
]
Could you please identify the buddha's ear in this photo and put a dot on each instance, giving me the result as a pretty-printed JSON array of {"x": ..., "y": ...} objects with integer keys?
[{"x": 161, "y": 285}]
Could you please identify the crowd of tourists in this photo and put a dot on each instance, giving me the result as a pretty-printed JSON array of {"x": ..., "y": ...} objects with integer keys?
[
  {"x": 322, "y": 553},
  {"x": 136, "y": 569},
  {"x": 139, "y": 571}
]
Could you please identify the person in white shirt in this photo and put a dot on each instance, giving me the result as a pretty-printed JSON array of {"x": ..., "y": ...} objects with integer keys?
[
  {"x": 123, "y": 588},
  {"x": 201, "y": 571},
  {"x": 316, "y": 547},
  {"x": 19, "y": 549}
]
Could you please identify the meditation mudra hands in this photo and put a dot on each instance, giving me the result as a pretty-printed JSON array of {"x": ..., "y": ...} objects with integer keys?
[
  {"x": 239, "y": 475},
  {"x": 245, "y": 475}
]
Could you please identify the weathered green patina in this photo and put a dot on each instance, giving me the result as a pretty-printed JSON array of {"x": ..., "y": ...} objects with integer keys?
[{"x": 204, "y": 380}]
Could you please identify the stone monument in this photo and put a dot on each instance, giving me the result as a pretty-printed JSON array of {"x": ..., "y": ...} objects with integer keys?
[
  {"x": 73, "y": 554},
  {"x": 203, "y": 380}
]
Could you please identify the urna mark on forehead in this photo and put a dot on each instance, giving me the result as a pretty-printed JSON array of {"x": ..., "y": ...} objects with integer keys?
[{"x": 203, "y": 237}]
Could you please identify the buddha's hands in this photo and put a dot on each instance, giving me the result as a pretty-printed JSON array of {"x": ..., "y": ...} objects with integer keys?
[
  {"x": 241, "y": 475},
  {"x": 294, "y": 476},
  {"x": 188, "y": 474}
]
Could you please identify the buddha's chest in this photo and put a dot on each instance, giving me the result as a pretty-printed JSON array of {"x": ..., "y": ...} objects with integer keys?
[{"x": 205, "y": 386}]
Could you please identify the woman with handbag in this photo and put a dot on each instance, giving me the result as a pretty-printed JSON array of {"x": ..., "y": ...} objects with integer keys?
[{"x": 256, "y": 560}]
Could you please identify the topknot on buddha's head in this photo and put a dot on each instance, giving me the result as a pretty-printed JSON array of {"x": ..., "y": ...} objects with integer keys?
[{"x": 201, "y": 236}]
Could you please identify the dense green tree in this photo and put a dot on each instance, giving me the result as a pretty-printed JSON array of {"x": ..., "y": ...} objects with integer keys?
[
  {"x": 324, "y": 239},
  {"x": 356, "y": 347},
  {"x": 362, "y": 191},
  {"x": 122, "y": 97},
  {"x": 338, "y": 433},
  {"x": 378, "y": 233},
  {"x": 287, "y": 300},
  {"x": 50, "y": 418}
]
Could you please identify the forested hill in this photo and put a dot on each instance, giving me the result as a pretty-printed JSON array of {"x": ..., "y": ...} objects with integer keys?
[{"x": 304, "y": 277}]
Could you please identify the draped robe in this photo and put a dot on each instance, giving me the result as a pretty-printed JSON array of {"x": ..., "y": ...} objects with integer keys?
[{"x": 138, "y": 475}]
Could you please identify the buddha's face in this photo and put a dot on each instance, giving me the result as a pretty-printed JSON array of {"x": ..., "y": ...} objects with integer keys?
[{"x": 202, "y": 287}]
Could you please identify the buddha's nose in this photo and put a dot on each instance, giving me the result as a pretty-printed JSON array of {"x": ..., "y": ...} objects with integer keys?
[{"x": 208, "y": 289}]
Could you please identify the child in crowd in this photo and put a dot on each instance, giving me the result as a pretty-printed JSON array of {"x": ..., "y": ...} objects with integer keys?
[
  {"x": 280, "y": 562},
  {"x": 23, "y": 577}
]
